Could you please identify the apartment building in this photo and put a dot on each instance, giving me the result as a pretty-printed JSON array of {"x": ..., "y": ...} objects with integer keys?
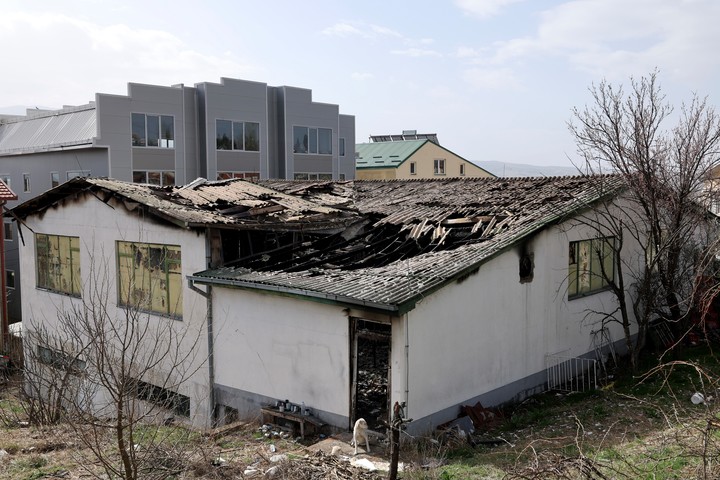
[{"x": 171, "y": 135}]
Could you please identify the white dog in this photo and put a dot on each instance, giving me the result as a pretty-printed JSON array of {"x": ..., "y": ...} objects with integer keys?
[{"x": 360, "y": 432}]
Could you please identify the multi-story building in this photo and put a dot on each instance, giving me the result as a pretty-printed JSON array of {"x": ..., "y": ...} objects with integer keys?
[{"x": 170, "y": 136}]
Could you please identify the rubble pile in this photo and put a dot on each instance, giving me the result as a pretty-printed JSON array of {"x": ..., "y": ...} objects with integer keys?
[
  {"x": 371, "y": 393},
  {"x": 321, "y": 466}
]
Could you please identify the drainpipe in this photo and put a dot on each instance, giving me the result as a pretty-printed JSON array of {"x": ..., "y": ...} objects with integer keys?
[
  {"x": 3, "y": 287},
  {"x": 211, "y": 348},
  {"x": 407, "y": 365}
]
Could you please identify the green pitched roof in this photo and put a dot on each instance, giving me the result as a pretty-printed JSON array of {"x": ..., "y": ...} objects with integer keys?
[{"x": 385, "y": 154}]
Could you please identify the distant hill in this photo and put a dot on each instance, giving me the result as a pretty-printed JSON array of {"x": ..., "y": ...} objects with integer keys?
[{"x": 503, "y": 169}]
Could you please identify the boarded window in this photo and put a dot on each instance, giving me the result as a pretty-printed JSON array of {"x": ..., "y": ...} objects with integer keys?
[
  {"x": 150, "y": 277},
  {"x": 57, "y": 261}
]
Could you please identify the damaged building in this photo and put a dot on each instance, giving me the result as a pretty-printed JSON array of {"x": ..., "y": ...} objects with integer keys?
[{"x": 344, "y": 296}]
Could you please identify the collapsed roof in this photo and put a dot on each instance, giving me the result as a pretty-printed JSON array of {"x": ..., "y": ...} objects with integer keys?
[{"x": 379, "y": 244}]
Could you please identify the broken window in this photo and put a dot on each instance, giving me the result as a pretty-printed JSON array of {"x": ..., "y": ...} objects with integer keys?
[
  {"x": 164, "y": 398},
  {"x": 150, "y": 277},
  {"x": 60, "y": 360},
  {"x": 591, "y": 267},
  {"x": 57, "y": 260}
]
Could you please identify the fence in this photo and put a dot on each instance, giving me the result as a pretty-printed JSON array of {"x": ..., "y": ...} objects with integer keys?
[{"x": 571, "y": 374}]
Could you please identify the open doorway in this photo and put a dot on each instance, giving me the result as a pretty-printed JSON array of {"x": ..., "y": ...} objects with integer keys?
[{"x": 371, "y": 372}]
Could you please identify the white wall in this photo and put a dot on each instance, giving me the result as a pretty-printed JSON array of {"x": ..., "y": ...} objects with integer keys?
[
  {"x": 283, "y": 348},
  {"x": 99, "y": 226},
  {"x": 490, "y": 330}
]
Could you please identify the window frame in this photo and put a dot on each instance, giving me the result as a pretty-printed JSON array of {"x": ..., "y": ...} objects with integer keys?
[
  {"x": 152, "y": 130},
  {"x": 166, "y": 178},
  {"x": 163, "y": 397},
  {"x": 54, "y": 179},
  {"x": 8, "y": 234},
  {"x": 26, "y": 183},
  {"x": 588, "y": 280},
  {"x": 240, "y": 134},
  {"x": 439, "y": 166},
  {"x": 60, "y": 360},
  {"x": 413, "y": 168},
  {"x": 56, "y": 267},
  {"x": 462, "y": 169},
  {"x": 162, "y": 266},
  {"x": 312, "y": 140}
]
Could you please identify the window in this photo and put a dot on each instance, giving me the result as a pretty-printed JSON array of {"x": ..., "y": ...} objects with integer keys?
[
  {"x": 150, "y": 277},
  {"x": 312, "y": 140},
  {"x": 342, "y": 177},
  {"x": 5, "y": 179},
  {"x": 162, "y": 178},
  {"x": 9, "y": 278},
  {"x": 153, "y": 130},
  {"x": 8, "y": 231},
  {"x": 57, "y": 260},
  {"x": 77, "y": 173},
  {"x": 341, "y": 147},
  {"x": 60, "y": 359},
  {"x": 313, "y": 176},
  {"x": 590, "y": 266},
  {"x": 26, "y": 182},
  {"x": 54, "y": 179},
  {"x": 462, "y": 169},
  {"x": 237, "y": 135},
  {"x": 164, "y": 398},
  {"x": 439, "y": 167},
  {"x": 245, "y": 175},
  {"x": 413, "y": 168}
]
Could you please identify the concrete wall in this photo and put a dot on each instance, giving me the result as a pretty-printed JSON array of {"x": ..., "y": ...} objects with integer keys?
[
  {"x": 99, "y": 261},
  {"x": 424, "y": 166},
  {"x": 300, "y": 110},
  {"x": 240, "y": 101},
  {"x": 115, "y": 130},
  {"x": 40, "y": 166},
  {"x": 486, "y": 338},
  {"x": 269, "y": 348},
  {"x": 346, "y": 163}
]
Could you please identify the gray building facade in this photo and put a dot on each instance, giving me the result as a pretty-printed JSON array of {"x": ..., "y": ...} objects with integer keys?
[{"x": 171, "y": 135}]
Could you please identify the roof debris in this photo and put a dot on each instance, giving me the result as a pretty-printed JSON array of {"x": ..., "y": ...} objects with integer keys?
[{"x": 379, "y": 244}]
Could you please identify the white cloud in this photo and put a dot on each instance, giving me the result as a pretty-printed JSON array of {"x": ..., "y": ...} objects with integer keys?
[
  {"x": 416, "y": 52},
  {"x": 615, "y": 38},
  {"x": 494, "y": 79},
  {"x": 342, "y": 30},
  {"x": 72, "y": 50},
  {"x": 483, "y": 8},
  {"x": 362, "y": 76}
]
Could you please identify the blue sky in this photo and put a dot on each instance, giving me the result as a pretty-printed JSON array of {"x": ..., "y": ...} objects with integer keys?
[{"x": 495, "y": 79}]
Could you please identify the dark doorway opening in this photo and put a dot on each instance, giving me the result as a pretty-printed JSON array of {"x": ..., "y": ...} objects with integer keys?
[{"x": 371, "y": 385}]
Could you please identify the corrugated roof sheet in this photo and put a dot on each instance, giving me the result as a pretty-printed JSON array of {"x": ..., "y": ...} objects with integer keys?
[
  {"x": 408, "y": 237},
  {"x": 48, "y": 131},
  {"x": 202, "y": 203},
  {"x": 501, "y": 212},
  {"x": 385, "y": 154}
]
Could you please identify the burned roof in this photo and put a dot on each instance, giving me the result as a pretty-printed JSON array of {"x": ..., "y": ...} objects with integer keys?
[
  {"x": 379, "y": 244},
  {"x": 222, "y": 204},
  {"x": 419, "y": 235}
]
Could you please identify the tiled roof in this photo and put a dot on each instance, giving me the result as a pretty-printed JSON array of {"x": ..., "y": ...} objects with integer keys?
[
  {"x": 385, "y": 154},
  {"x": 6, "y": 193},
  {"x": 439, "y": 231},
  {"x": 65, "y": 128}
]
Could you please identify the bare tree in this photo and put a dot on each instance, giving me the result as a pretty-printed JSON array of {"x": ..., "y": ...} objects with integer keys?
[
  {"x": 663, "y": 173},
  {"x": 116, "y": 375}
]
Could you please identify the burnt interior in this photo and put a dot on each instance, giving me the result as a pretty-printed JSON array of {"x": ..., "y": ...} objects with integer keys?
[{"x": 373, "y": 372}]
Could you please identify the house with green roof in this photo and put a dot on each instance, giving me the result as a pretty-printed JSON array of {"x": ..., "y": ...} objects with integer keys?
[{"x": 389, "y": 157}]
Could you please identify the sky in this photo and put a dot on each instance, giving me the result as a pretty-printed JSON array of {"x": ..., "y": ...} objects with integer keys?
[{"x": 496, "y": 80}]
